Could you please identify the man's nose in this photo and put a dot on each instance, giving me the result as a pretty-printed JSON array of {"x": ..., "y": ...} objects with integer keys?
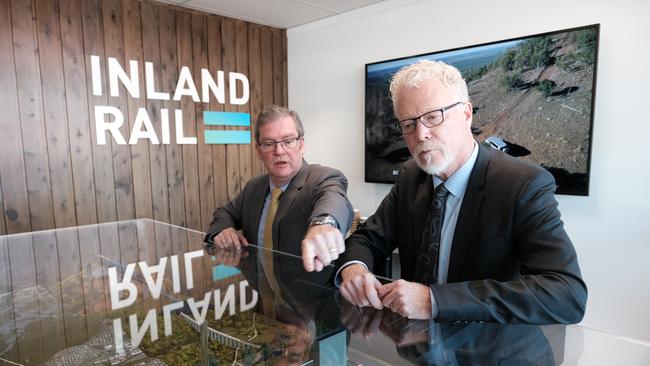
[
  {"x": 279, "y": 148},
  {"x": 422, "y": 132}
]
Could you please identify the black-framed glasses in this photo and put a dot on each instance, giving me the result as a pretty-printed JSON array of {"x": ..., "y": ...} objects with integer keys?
[
  {"x": 430, "y": 119},
  {"x": 269, "y": 145}
]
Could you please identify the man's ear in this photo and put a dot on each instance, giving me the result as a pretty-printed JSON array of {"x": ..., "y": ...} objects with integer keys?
[
  {"x": 469, "y": 113},
  {"x": 259, "y": 153}
]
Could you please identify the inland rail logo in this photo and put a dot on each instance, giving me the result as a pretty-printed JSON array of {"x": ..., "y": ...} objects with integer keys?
[{"x": 109, "y": 119}]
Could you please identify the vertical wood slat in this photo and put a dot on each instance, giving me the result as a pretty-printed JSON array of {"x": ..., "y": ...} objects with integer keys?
[
  {"x": 255, "y": 78},
  {"x": 267, "y": 66},
  {"x": 24, "y": 287},
  {"x": 109, "y": 247},
  {"x": 12, "y": 168},
  {"x": 230, "y": 63},
  {"x": 122, "y": 166},
  {"x": 241, "y": 53},
  {"x": 48, "y": 282},
  {"x": 190, "y": 163},
  {"x": 285, "y": 72},
  {"x": 169, "y": 67},
  {"x": 218, "y": 150},
  {"x": 78, "y": 116},
  {"x": 278, "y": 92},
  {"x": 93, "y": 41},
  {"x": 132, "y": 30},
  {"x": 30, "y": 98},
  {"x": 157, "y": 153},
  {"x": 6, "y": 303},
  {"x": 54, "y": 108},
  {"x": 3, "y": 227},
  {"x": 72, "y": 295},
  {"x": 206, "y": 178},
  {"x": 91, "y": 277}
]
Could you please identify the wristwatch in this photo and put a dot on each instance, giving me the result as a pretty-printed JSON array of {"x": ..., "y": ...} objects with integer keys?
[{"x": 323, "y": 220}]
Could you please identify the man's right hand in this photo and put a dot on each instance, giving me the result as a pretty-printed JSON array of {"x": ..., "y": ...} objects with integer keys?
[
  {"x": 230, "y": 238},
  {"x": 359, "y": 286}
]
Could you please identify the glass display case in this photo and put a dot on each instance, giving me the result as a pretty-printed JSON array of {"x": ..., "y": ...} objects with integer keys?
[{"x": 142, "y": 292}]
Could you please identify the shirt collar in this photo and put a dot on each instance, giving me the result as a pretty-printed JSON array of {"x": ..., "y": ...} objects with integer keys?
[
  {"x": 282, "y": 187},
  {"x": 457, "y": 182}
]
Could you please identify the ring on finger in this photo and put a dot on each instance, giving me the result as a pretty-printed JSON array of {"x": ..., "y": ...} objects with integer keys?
[{"x": 333, "y": 250}]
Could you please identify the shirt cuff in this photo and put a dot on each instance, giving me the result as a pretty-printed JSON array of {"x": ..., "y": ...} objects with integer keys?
[
  {"x": 337, "y": 276},
  {"x": 434, "y": 306}
]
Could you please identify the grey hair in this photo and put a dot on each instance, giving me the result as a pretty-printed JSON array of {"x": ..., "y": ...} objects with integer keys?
[
  {"x": 274, "y": 112},
  {"x": 426, "y": 70}
]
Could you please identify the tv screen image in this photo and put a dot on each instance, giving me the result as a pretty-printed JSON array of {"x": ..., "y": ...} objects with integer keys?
[{"x": 533, "y": 98}]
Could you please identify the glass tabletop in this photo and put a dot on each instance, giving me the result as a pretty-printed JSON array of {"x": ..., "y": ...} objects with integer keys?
[{"x": 142, "y": 292}]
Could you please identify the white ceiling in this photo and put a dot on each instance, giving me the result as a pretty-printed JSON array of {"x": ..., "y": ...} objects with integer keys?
[{"x": 276, "y": 13}]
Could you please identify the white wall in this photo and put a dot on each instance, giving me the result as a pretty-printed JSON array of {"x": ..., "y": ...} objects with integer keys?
[{"x": 611, "y": 227}]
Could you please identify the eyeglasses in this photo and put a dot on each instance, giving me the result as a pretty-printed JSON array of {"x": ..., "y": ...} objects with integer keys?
[
  {"x": 430, "y": 119},
  {"x": 269, "y": 145}
]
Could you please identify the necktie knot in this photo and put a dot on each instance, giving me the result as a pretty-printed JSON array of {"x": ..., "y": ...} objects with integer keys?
[
  {"x": 441, "y": 191},
  {"x": 275, "y": 194}
]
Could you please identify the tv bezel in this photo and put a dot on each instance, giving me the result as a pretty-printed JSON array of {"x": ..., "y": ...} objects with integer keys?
[{"x": 596, "y": 26}]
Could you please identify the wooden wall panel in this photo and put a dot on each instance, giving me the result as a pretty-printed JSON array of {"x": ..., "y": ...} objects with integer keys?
[
  {"x": 72, "y": 295},
  {"x": 157, "y": 153},
  {"x": 78, "y": 116},
  {"x": 31, "y": 115},
  {"x": 267, "y": 66},
  {"x": 25, "y": 292},
  {"x": 93, "y": 43},
  {"x": 190, "y": 163},
  {"x": 255, "y": 78},
  {"x": 114, "y": 47},
  {"x": 230, "y": 63},
  {"x": 56, "y": 113},
  {"x": 12, "y": 165},
  {"x": 205, "y": 160},
  {"x": 3, "y": 226},
  {"x": 139, "y": 152},
  {"x": 54, "y": 173},
  {"x": 169, "y": 68},
  {"x": 218, "y": 151},
  {"x": 278, "y": 67},
  {"x": 6, "y": 303},
  {"x": 50, "y": 307},
  {"x": 241, "y": 53}
]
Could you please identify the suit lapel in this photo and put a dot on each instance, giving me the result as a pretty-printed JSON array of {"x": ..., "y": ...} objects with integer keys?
[
  {"x": 257, "y": 205},
  {"x": 287, "y": 198},
  {"x": 468, "y": 213}
]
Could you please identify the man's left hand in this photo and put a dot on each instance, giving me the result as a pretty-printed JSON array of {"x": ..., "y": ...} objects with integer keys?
[
  {"x": 321, "y": 246},
  {"x": 409, "y": 299}
]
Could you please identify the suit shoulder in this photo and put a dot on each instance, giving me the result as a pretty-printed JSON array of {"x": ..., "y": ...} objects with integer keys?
[
  {"x": 515, "y": 169},
  {"x": 322, "y": 171},
  {"x": 256, "y": 182}
]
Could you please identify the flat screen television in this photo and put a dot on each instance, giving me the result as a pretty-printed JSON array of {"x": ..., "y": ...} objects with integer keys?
[{"x": 533, "y": 98}]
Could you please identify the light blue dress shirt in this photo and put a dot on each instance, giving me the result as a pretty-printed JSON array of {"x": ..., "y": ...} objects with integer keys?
[{"x": 456, "y": 184}]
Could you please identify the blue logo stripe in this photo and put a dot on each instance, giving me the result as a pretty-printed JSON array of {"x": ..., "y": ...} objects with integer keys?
[
  {"x": 227, "y": 137},
  {"x": 226, "y": 118}
]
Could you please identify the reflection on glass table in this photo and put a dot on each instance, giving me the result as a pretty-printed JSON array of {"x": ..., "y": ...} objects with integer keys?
[{"x": 149, "y": 293}]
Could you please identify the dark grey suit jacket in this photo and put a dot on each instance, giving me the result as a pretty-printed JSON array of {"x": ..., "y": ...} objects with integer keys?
[
  {"x": 316, "y": 190},
  {"x": 511, "y": 259}
]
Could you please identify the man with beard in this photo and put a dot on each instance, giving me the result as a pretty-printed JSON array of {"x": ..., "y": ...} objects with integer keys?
[{"x": 479, "y": 234}]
